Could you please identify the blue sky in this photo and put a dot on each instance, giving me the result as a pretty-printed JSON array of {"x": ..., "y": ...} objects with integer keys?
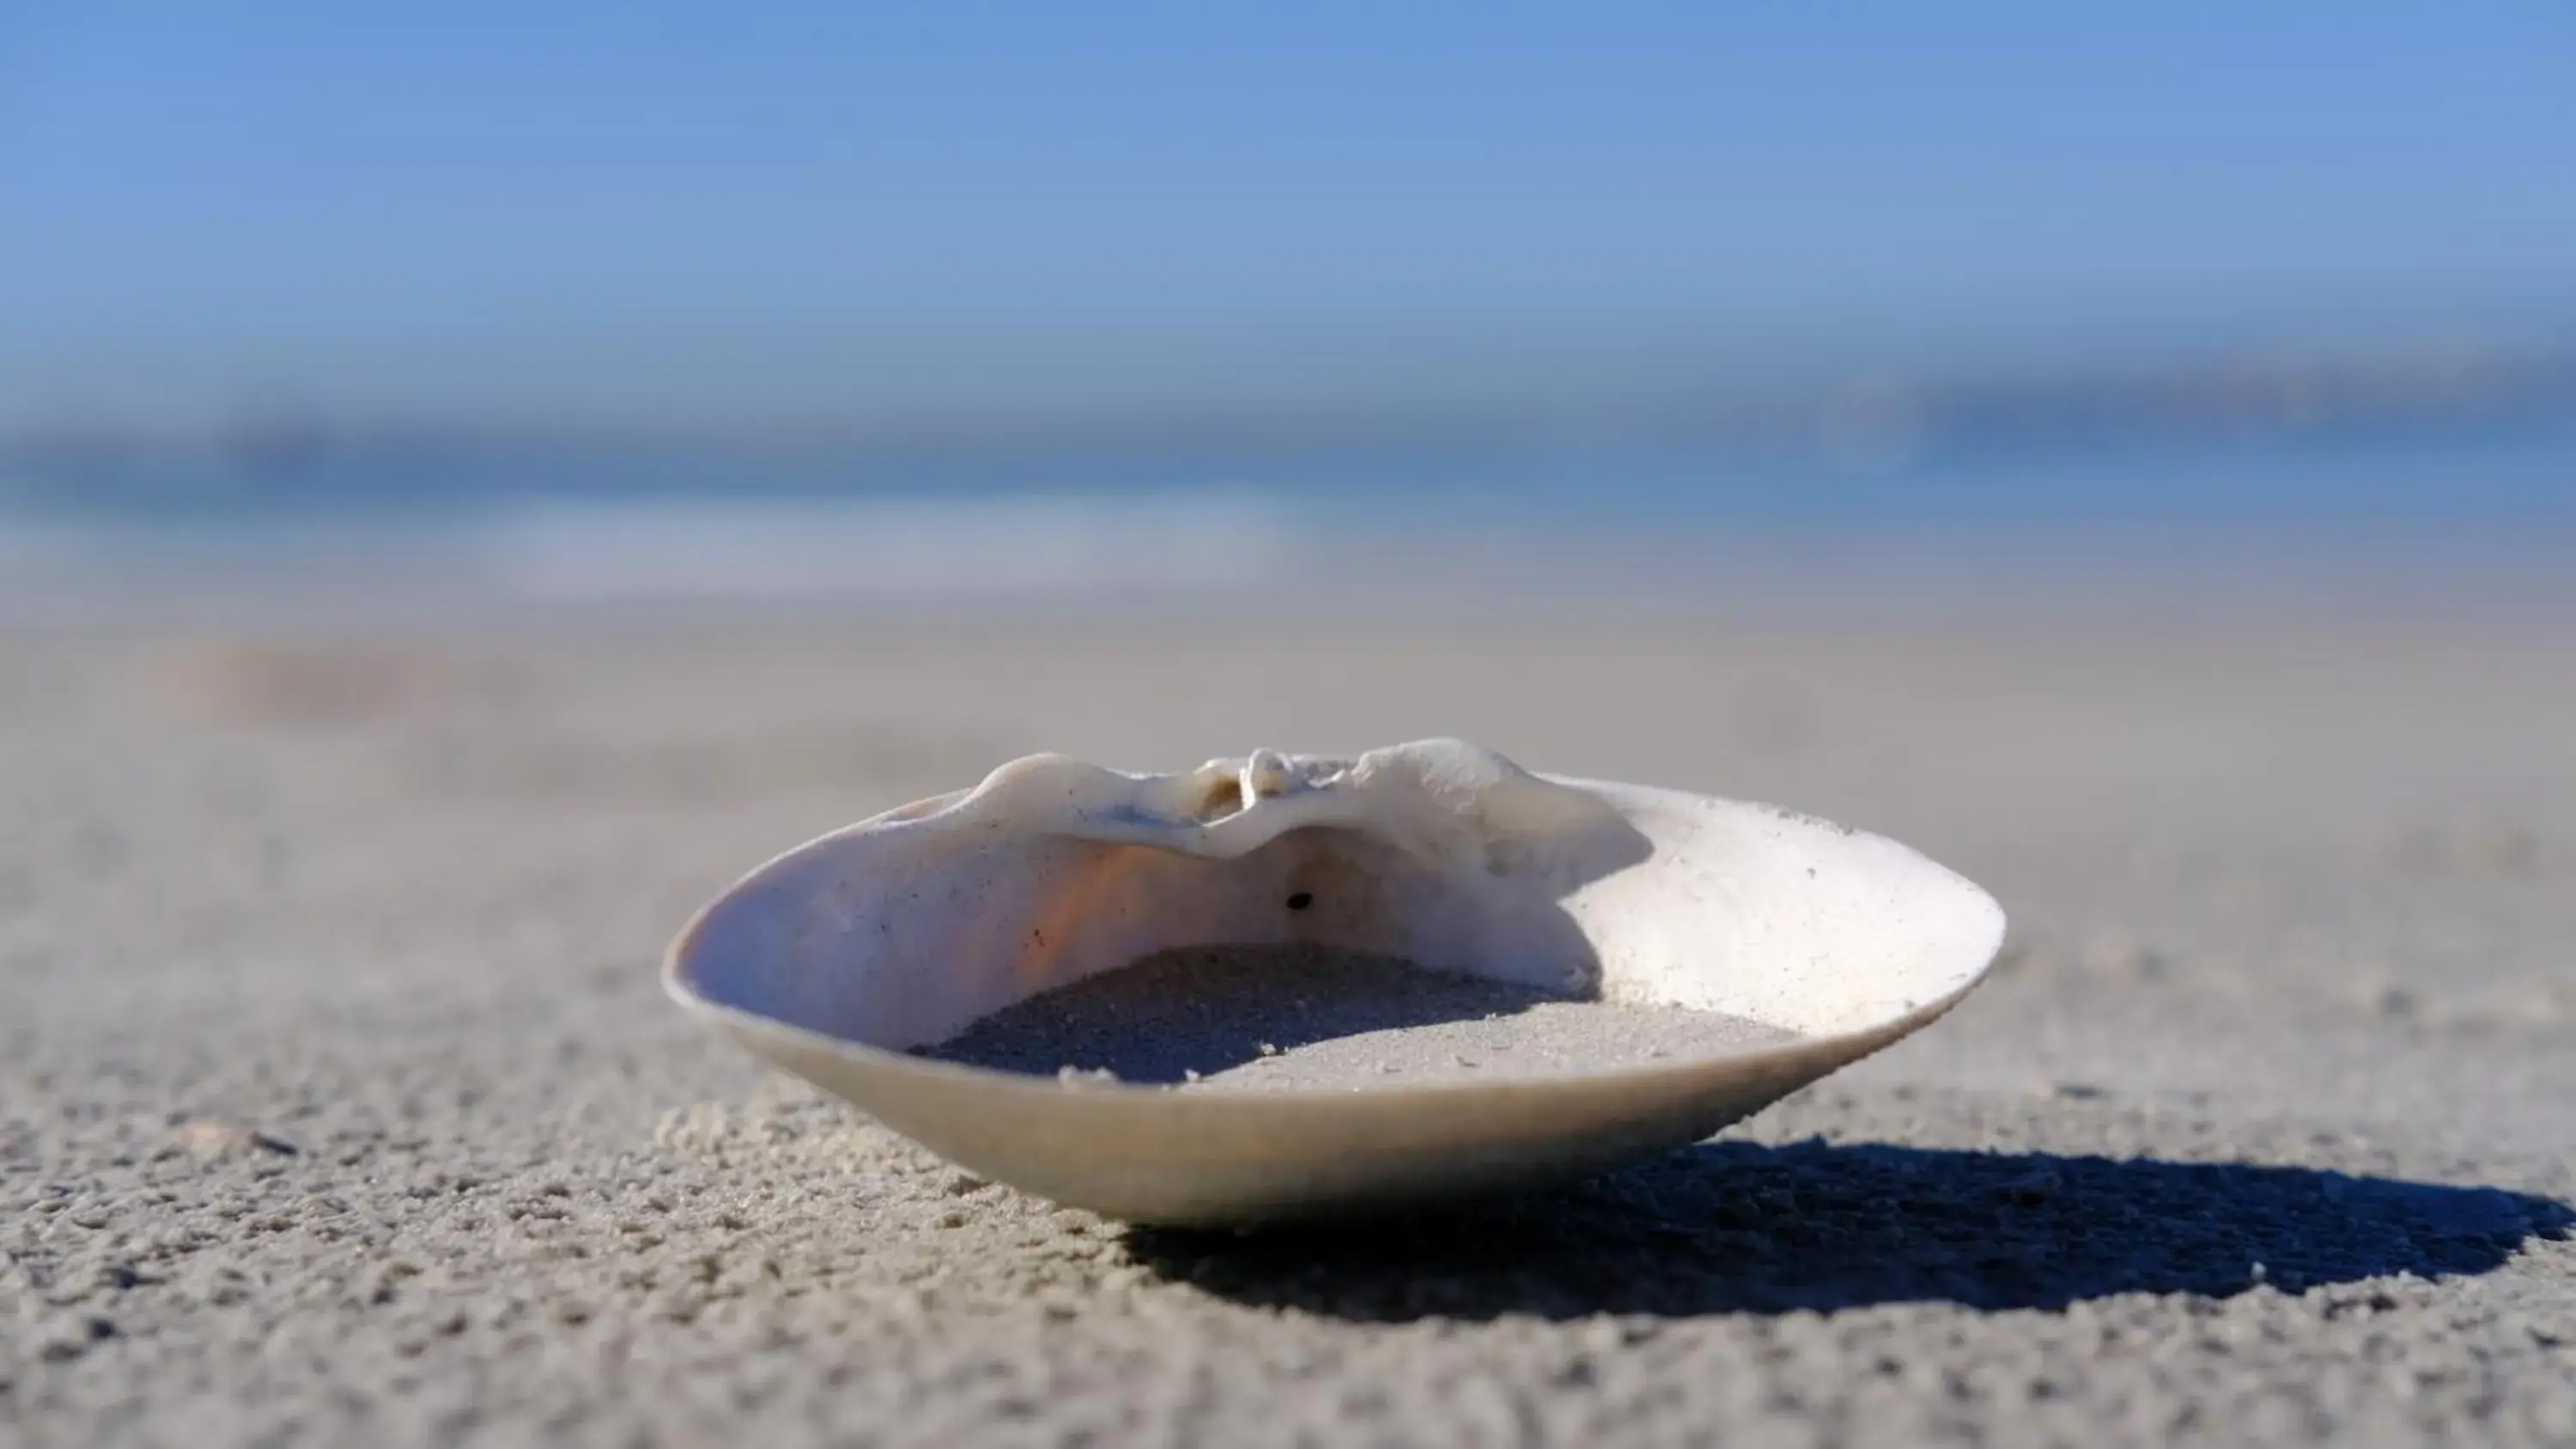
[{"x": 647, "y": 212}]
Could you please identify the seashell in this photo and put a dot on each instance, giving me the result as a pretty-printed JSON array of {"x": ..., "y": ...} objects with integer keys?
[{"x": 1692, "y": 959}]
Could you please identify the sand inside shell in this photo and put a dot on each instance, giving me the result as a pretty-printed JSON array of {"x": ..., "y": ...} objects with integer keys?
[{"x": 1305, "y": 1017}]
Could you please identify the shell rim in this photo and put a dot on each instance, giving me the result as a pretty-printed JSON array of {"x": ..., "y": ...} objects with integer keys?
[{"x": 1846, "y": 1046}]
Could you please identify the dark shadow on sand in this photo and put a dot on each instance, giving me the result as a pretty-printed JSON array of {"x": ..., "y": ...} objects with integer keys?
[{"x": 1735, "y": 1227}]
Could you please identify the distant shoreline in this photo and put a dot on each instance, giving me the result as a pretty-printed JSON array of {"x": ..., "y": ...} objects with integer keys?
[
  {"x": 1149, "y": 559},
  {"x": 1861, "y": 416}
]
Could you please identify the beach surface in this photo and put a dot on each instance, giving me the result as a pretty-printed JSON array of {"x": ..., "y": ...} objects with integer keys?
[{"x": 340, "y": 1103}]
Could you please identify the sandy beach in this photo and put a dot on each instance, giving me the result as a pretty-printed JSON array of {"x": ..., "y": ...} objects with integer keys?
[{"x": 339, "y": 1103}]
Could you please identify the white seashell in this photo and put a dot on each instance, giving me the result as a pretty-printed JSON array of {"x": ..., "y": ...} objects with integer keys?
[{"x": 839, "y": 959}]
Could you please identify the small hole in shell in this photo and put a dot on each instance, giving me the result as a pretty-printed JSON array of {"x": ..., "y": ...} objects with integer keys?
[{"x": 1301, "y": 900}]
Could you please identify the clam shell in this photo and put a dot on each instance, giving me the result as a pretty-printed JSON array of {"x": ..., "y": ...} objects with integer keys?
[{"x": 839, "y": 959}]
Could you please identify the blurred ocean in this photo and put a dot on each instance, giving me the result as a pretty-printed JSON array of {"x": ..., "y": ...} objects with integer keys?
[{"x": 1876, "y": 502}]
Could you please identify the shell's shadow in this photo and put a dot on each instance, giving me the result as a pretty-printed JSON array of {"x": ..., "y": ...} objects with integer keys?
[{"x": 1735, "y": 1227}]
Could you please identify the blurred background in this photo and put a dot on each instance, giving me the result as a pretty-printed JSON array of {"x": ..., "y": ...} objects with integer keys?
[{"x": 592, "y": 304}]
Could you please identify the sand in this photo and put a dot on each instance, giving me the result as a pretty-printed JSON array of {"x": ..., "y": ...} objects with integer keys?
[
  {"x": 339, "y": 1103},
  {"x": 1303, "y": 1018}
]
